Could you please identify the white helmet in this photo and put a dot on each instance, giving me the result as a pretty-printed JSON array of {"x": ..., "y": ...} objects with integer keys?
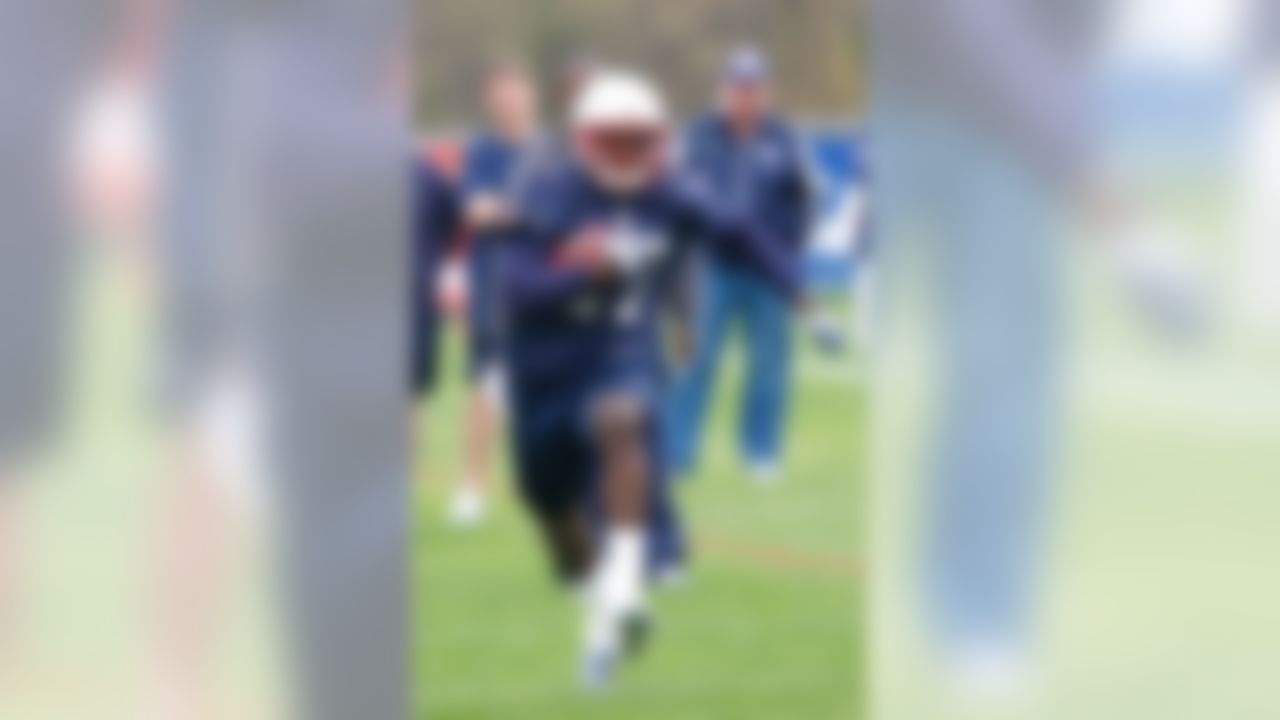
[
  {"x": 618, "y": 98},
  {"x": 620, "y": 130}
]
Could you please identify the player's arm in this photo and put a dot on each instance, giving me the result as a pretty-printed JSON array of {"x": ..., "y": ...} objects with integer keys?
[
  {"x": 542, "y": 273},
  {"x": 487, "y": 210},
  {"x": 701, "y": 217},
  {"x": 800, "y": 189}
]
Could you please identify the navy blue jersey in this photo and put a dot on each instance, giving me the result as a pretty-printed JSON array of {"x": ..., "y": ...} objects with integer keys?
[
  {"x": 489, "y": 164},
  {"x": 763, "y": 178},
  {"x": 565, "y": 324},
  {"x": 435, "y": 222}
]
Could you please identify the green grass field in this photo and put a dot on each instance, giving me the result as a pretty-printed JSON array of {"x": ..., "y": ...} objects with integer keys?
[
  {"x": 768, "y": 626},
  {"x": 1163, "y": 601}
]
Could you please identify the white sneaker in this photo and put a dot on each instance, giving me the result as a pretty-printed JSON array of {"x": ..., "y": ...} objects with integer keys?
[
  {"x": 616, "y": 616},
  {"x": 598, "y": 666},
  {"x": 468, "y": 508},
  {"x": 613, "y": 632}
]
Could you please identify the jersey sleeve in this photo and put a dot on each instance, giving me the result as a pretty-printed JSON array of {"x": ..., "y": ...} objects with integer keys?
[
  {"x": 799, "y": 187},
  {"x": 702, "y": 218},
  {"x": 532, "y": 283}
]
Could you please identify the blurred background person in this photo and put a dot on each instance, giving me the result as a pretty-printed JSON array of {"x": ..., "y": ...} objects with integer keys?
[
  {"x": 492, "y": 160},
  {"x": 282, "y": 153},
  {"x": 435, "y": 225},
  {"x": 980, "y": 123},
  {"x": 747, "y": 151},
  {"x": 49, "y": 55},
  {"x": 43, "y": 61},
  {"x": 200, "y": 366}
]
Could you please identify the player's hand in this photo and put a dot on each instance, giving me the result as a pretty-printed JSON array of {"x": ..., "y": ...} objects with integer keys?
[
  {"x": 588, "y": 250},
  {"x": 489, "y": 212}
]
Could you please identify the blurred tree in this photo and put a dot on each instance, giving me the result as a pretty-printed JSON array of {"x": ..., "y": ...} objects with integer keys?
[{"x": 817, "y": 47}]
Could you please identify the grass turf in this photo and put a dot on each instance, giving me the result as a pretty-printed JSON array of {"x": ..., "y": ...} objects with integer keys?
[{"x": 768, "y": 626}]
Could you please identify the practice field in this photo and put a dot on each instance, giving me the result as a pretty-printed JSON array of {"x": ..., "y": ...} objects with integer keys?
[{"x": 768, "y": 625}]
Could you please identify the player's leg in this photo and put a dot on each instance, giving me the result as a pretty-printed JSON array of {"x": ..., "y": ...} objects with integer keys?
[
  {"x": 717, "y": 299},
  {"x": 620, "y": 421},
  {"x": 484, "y": 400},
  {"x": 482, "y": 423},
  {"x": 616, "y": 611},
  {"x": 619, "y": 424},
  {"x": 553, "y": 466},
  {"x": 768, "y": 378},
  {"x": 571, "y": 544}
]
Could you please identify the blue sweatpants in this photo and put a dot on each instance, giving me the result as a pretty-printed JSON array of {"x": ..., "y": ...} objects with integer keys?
[{"x": 729, "y": 295}]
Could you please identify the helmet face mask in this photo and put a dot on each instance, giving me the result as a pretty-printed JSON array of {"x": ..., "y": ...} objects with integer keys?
[
  {"x": 622, "y": 159},
  {"x": 620, "y": 132}
]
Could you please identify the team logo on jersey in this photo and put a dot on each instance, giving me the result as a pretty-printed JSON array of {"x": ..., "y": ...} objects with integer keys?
[{"x": 635, "y": 248}]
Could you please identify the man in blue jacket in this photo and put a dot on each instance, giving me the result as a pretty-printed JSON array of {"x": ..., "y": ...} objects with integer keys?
[
  {"x": 752, "y": 157},
  {"x": 587, "y": 267}
]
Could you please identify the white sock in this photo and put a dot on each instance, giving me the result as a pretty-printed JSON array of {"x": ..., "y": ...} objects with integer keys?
[
  {"x": 622, "y": 564},
  {"x": 615, "y": 586}
]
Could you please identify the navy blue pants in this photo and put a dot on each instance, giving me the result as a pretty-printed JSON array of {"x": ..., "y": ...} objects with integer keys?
[{"x": 557, "y": 456}]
